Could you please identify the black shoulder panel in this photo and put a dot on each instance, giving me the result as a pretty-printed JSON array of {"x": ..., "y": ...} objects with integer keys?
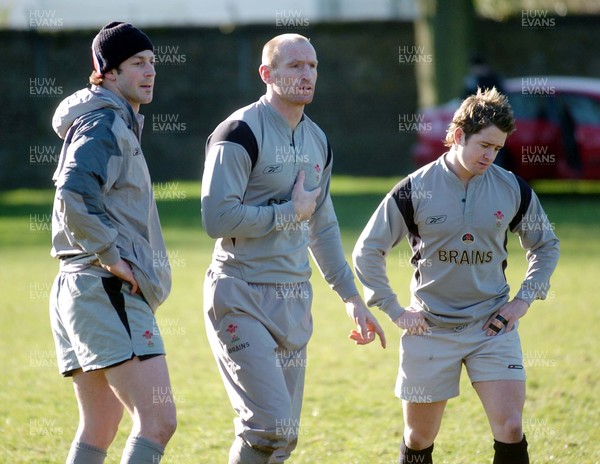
[
  {"x": 526, "y": 193},
  {"x": 329, "y": 154},
  {"x": 402, "y": 195},
  {"x": 235, "y": 132}
]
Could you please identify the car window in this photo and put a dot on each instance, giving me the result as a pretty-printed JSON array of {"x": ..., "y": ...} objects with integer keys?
[
  {"x": 583, "y": 109},
  {"x": 528, "y": 106}
]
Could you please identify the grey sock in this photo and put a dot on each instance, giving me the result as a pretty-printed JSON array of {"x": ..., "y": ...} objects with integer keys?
[
  {"x": 82, "y": 453},
  {"x": 138, "y": 450}
]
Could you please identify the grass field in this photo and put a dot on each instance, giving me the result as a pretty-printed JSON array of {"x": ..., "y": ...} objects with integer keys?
[{"x": 350, "y": 414}]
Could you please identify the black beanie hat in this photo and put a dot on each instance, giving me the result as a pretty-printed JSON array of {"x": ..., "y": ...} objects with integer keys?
[{"x": 115, "y": 43}]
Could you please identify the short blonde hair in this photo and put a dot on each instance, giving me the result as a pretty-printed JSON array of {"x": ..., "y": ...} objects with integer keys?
[{"x": 484, "y": 109}]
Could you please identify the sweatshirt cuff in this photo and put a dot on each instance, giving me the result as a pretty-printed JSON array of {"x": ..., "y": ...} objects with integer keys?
[
  {"x": 527, "y": 296},
  {"x": 346, "y": 289},
  {"x": 109, "y": 256},
  {"x": 393, "y": 310},
  {"x": 531, "y": 291}
]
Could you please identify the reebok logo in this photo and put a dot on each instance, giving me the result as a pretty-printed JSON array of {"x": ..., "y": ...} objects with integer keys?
[
  {"x": 273, "y": 169},
  {"x": 436, "y": 219}
]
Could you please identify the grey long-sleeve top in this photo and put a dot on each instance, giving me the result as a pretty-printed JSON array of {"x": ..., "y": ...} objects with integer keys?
[
  {"x": 252, "y": 161},
  {"x": 458, "y": 239}
]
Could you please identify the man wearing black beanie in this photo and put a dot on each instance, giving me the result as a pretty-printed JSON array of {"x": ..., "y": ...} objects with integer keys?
[{"x": 114, "y": 270}]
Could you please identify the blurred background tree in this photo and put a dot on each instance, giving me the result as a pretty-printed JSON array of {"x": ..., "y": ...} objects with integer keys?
[{"x": 446, "y": 29}]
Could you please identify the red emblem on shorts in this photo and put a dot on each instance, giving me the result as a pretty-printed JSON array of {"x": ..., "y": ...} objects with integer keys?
[
  {"x": 318, "y": 171},
  {"x": 231, "y": 329},
  {"x": 148, "y": 336}
]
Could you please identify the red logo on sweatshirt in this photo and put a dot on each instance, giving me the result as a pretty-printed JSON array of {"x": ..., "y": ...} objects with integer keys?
[{"x": 499, "y": 217}]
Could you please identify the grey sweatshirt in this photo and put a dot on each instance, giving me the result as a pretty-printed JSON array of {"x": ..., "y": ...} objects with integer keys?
[
  {"x": 252, "y": 160},
  {"x": 104, "y": 207},
  {"x": 458, "y": 239}
]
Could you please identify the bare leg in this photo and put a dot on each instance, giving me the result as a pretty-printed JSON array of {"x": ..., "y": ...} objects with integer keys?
[
  {"x": 422, "y": 423},
  {"x": 503, "y": 401},
  {"x": 145, "y": 390},
  {"x": 100, "y": 411},
  {"x": 99, "y": 415}
]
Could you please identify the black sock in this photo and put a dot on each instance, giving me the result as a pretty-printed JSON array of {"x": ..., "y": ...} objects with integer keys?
[
  {"x": 410, "y": 456},
  {"x": 511, "y": 453}
]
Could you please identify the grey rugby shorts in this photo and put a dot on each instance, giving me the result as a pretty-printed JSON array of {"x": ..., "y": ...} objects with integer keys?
[
  {"x": 97, "y": 324},
  {"x": 431, "y": 364}
]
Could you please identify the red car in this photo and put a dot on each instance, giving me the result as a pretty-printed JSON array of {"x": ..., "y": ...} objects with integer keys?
[{"x": 558, "y": 128}]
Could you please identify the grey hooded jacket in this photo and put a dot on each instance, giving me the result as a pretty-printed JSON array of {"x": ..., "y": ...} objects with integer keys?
[{"x": 104, "y": 207}]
